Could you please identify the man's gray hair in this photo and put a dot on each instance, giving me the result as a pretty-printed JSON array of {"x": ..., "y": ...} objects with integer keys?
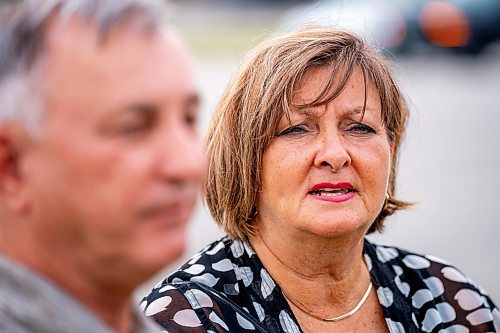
[{"x": 22, "y": 33}]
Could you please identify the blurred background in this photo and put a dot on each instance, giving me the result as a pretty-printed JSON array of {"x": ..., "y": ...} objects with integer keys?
[{"x": 447, "y": 58}]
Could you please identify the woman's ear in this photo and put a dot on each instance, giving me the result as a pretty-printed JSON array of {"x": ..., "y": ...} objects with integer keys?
[{"x": 12, "y": 191}]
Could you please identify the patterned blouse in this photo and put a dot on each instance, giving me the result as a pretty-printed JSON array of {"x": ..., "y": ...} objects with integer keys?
[{"x": 225, "y": 288}]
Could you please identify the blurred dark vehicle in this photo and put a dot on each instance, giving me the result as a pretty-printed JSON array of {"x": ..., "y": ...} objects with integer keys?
[{"x": 399, "y": 26}]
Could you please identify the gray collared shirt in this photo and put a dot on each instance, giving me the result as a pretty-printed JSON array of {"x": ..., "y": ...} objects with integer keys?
[{"x": 31, "y": 303}]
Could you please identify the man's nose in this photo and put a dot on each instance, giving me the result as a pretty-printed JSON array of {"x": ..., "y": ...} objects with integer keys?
[
  {"x": 181, "y": 155},
  {"x": 332, "y": 152}
]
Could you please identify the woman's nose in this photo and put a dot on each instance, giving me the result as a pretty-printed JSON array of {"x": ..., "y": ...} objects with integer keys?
[{"x": 332, "y": 152}]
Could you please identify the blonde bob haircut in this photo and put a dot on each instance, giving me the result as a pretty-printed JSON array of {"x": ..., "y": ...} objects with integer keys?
[{"x": 260, "y": 94}]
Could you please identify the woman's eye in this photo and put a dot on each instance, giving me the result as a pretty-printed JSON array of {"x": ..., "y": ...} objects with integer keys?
[
  {"x": 360, "y": 129},
  {"x": 294, "y": 130}
]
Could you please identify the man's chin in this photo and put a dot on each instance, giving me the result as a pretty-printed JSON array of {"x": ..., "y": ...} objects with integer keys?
[{"x": 164, "y": 252}]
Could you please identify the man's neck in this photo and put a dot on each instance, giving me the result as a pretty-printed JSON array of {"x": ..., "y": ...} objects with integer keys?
[{"x": 112, "y": 304}]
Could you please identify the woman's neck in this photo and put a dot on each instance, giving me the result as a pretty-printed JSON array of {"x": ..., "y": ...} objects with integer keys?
[{"x": 324, "y": 274}]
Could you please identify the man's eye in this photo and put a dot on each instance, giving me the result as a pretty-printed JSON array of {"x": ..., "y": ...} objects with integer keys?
[
  {"x": 294, "y": 130},
  {"x": 133, "y": 126},
  {"x": 191, "y": 119},
  {"x": 359, "y": 128}
]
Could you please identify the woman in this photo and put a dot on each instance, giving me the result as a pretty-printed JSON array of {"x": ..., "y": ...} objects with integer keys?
[{"x": 303, "y": 155}]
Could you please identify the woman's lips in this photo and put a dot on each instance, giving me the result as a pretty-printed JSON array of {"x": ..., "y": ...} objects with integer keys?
[{"x": 338, "y": 192}]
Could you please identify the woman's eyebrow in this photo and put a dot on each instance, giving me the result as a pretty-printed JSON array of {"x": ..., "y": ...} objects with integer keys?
[
  {"x": 355, "y": 110},
  {"x": 359, "y": 110},
  {"x": 308, "y": 111},
  {"x": 352, "y": 111}
]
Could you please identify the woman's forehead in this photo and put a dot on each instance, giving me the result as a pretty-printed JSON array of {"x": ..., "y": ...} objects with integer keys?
[
  {"x": 318, "y": 86},
  {"x": 314, "y": 82}
]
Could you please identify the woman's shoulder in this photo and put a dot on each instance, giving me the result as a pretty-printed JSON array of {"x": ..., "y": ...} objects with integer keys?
[
  {"x": 417, "y": 265},
  {"x": 212, "y": 266},
  {"x": 435, "y": 290},
  {"x": 200, "y": 296},
  {"x": 382, "y": 254}
]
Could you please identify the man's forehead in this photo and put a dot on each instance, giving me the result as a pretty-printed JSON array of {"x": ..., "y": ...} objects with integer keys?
[
  {"x": 80, "y": 30},
  {"x": 76, "y": 42},
  {"x": 130, "y": 67}
]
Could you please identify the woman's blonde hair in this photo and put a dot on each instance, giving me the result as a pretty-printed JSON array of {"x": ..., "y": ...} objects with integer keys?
[{"x": 248, "y": 114}]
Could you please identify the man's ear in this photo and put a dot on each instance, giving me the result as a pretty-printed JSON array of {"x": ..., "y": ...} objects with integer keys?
[{"x": 12, "y": 191}]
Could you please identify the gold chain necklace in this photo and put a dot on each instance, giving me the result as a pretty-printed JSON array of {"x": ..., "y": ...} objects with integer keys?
[{"x": 338, "y": 318}]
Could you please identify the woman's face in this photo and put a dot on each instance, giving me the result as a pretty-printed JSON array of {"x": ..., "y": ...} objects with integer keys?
[{"x": 326, "y": 173}]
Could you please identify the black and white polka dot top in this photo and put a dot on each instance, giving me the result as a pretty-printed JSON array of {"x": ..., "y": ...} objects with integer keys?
[{"x": 225, "y": 288}]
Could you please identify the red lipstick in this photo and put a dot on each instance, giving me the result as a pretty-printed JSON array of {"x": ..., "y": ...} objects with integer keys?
[{"x": 337, "y": 193}]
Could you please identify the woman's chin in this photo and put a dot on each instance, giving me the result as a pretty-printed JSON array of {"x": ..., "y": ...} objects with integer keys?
[{"x": 336, "y": 229}]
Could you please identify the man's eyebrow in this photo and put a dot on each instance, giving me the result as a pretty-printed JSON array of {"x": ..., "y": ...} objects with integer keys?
[{"x": 142, "y": 108}]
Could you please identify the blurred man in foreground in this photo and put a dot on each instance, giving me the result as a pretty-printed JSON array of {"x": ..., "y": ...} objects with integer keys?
[{"x": 99, "y": 161}]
